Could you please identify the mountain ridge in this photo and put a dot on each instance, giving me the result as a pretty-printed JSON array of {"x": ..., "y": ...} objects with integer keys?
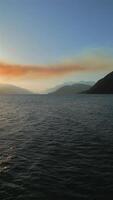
[
  {"x": 70, "y": 89},
  {"x": 12, "y": 89},
  {"x": 103, "y": 86}
]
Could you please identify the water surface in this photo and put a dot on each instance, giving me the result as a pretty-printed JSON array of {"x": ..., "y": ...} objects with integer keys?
[{"x": 56, "y": 147}]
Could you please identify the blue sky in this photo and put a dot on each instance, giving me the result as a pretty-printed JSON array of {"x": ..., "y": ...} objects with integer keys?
[{"x": 47, "y": 31}]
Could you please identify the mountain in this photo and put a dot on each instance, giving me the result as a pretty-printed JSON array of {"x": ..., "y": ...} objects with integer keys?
[
  {"x": 103, "y": 86},
  {"x": 71, "y": 89},
  {"x": 11, "y": 89},
  {"x": 91, "y": 83},
  {"x": 78, "y": 86}
]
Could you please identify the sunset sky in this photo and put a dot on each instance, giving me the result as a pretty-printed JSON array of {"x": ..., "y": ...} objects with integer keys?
[{"x": 44, "y": 43}]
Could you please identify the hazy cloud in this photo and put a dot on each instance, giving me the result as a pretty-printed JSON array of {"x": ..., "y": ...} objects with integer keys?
[{"x": 87, "y": 63}]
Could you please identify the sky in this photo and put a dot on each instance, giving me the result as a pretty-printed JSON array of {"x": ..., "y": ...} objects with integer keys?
[{"x": 44, "y": 43}]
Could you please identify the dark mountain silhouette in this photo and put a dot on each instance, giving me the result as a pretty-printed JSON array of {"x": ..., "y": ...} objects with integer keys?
[
  {"x": 12, "y": 89},
  {"x": 71, "y": 89},
  {"x": 103, "y": 86}
]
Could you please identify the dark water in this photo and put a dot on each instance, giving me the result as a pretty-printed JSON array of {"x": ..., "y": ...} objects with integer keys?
[{"x": 56, "y": 147}]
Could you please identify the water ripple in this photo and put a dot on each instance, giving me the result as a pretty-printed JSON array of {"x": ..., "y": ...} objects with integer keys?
[{"x": 56, "y": 148}]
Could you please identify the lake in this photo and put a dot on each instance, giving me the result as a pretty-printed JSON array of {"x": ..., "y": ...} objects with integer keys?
[{"x": 56, "y": 148}]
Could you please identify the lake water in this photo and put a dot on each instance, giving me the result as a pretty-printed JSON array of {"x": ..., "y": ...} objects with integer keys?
[{"x": 56, "y": 148}]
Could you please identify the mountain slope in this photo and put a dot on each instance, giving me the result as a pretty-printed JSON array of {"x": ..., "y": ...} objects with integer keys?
[
  {"x": 91, "y": 83},
  {"x": 11, "y": 89},
  {"x": 71, "y": 89},
  {"x": 103, "y": 86}
]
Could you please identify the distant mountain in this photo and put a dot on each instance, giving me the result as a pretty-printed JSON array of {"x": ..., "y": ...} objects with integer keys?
[
  {"x": 91, "y": 83},
  {"x": 76, "y": 84},
  {"x": 11, "y": 89},
  {"x": 103, "y": 86},
  {"x": 71, "y": 89}
]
